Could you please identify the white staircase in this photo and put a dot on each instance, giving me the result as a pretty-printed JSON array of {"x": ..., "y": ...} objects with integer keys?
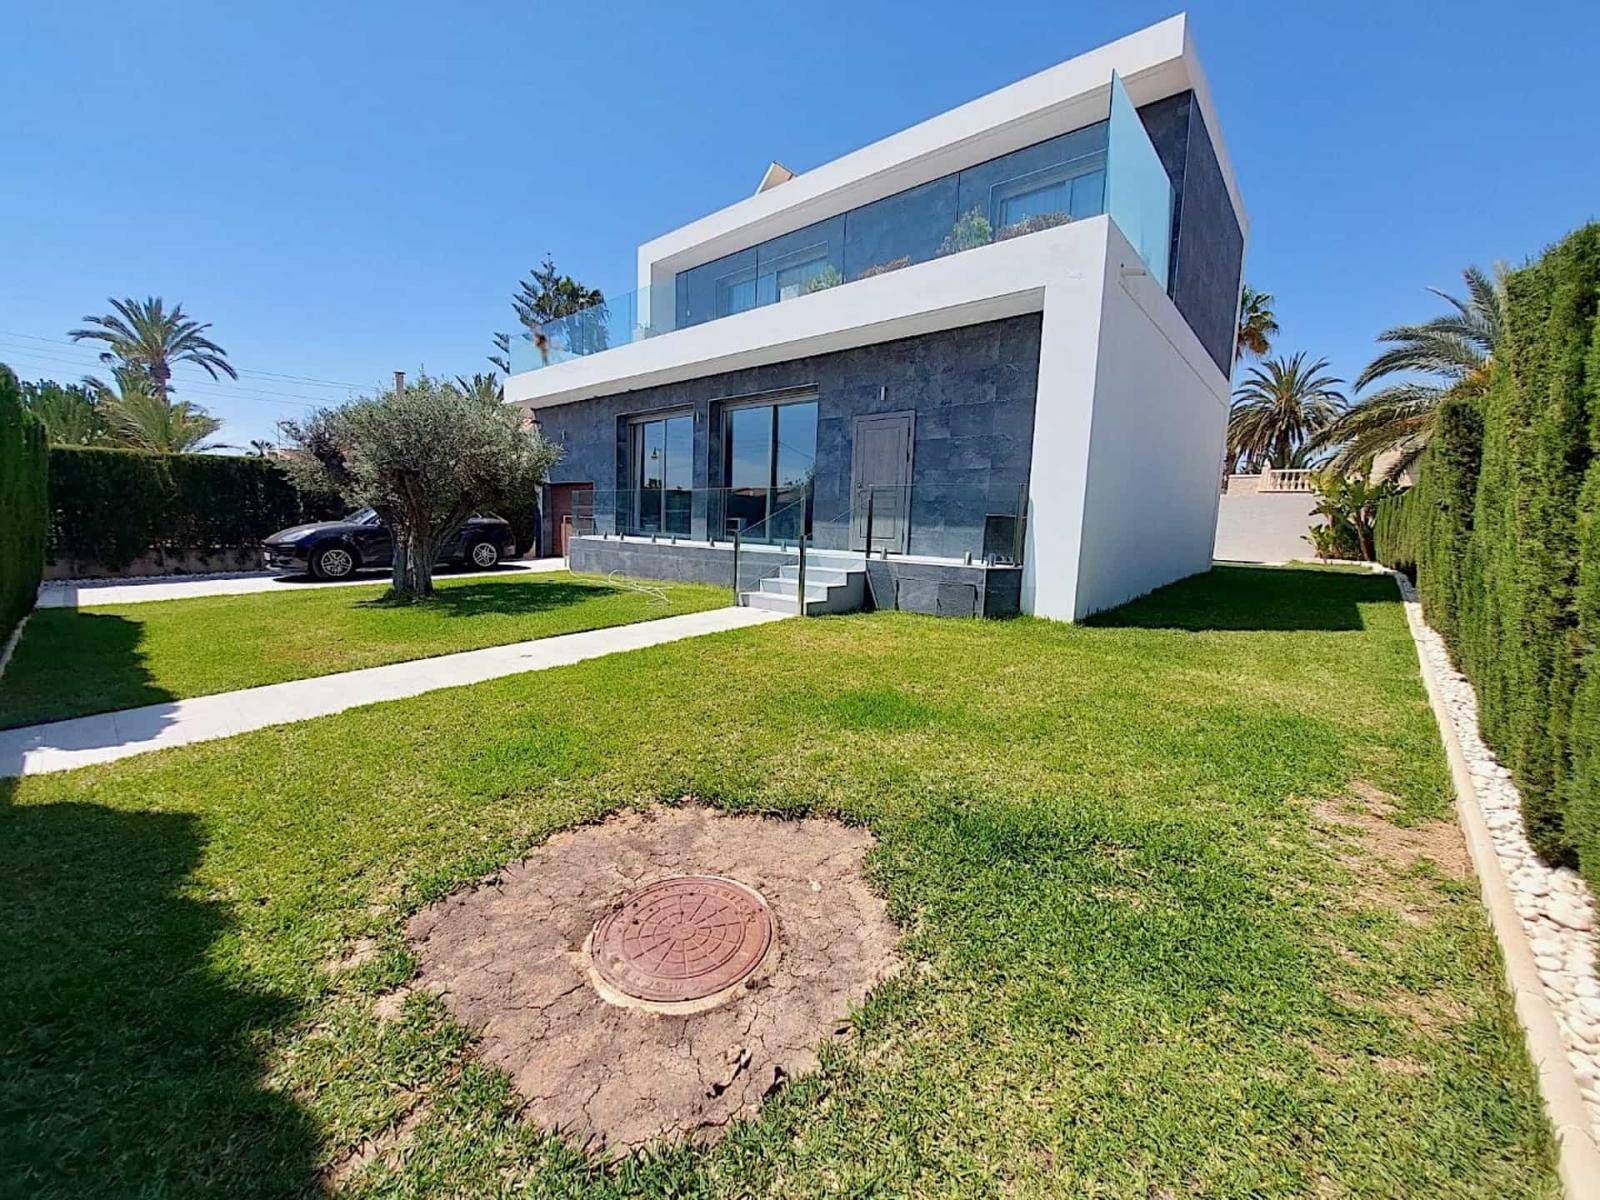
[{"x": 838, "y": 585}]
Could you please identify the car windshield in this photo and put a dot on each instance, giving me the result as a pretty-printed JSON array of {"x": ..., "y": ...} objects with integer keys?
[{"x": 361, "y": 516}]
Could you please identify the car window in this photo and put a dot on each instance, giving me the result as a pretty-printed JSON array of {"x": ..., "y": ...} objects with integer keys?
[{"x": 362, "y": 516}]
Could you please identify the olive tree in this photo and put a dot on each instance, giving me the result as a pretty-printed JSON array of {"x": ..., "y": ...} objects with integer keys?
[{"x": 425, "y": 456}]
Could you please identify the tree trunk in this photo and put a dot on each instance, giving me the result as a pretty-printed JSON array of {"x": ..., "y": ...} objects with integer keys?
[{"x": 414, "y": 556}]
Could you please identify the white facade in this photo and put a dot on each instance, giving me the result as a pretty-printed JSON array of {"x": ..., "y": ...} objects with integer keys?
[{"x": 1131, "y": 410}]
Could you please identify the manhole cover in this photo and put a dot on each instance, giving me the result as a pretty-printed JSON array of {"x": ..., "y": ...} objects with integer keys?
[{"x": 684, "y": 938}]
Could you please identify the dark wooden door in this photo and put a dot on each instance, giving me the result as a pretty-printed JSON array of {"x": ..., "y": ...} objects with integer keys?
[
  {"x": 881, "y": 469},
  {"x": 570, "y": 504}
]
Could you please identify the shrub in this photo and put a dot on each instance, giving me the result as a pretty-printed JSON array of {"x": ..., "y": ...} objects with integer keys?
[
  {"x": 883, "y": 268},
  {"x": 1394, "y": 533},
  {"x": 111, "y": 507},
  {"x": 971, "y": 229},
  {"x": 1504, "y": 519},
  {"x": 23, "y": 491}
]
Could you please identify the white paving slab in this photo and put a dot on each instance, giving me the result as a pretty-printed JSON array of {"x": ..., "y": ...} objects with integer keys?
[
  {"x": 86, "y": 593},
  {"x": 82, "y": 741}
]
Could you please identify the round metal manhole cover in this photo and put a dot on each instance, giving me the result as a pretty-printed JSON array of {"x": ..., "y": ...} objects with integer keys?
[{"x": 684, "y": 938}]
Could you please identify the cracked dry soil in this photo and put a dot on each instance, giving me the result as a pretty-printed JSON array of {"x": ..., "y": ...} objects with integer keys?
[{"x": 508, "y": 959}]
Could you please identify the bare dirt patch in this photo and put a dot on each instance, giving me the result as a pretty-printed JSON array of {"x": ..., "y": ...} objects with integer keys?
[
  {"x": 1366, "y": 812},
  {"x": 509, "y": 958}
]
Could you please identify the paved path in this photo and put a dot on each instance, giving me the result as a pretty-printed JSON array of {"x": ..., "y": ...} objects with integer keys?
[
  {"x": 62, "y": 745},
  {"x": 86, "y": 593}
]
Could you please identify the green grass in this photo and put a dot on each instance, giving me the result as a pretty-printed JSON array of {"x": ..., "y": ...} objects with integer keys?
[
  {"x": 1141, "y": 964},
  {"x": 71, "y": 662}
]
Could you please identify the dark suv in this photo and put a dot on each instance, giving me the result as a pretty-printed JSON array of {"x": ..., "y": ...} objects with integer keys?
[{"x": 337, "y": 549}]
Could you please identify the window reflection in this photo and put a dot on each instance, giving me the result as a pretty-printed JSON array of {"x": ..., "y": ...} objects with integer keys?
[
  {"x": 1028, "y": 190},
  {"x": 663, "y": 475},
  {"x": 771, "y": 457}
]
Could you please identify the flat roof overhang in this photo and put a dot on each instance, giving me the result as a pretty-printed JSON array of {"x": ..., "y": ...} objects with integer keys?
[{"x": 1154, "y": 62}]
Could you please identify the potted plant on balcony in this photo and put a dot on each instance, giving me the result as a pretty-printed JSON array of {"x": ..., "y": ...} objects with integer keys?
[{"x": 971, "y": 229}]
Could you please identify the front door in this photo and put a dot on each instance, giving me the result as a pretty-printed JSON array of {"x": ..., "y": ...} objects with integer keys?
[{"x": 880, "y": 480}]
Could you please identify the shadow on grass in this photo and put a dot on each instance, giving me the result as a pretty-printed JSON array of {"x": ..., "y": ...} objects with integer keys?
[
  {"x": 126, "y": 1058},
  {"x": 481, "y": 599},
  {"x": 75, "y": 662},
  {"x": 1256, "y": 599},
  {"x": 442, "y": 571}
]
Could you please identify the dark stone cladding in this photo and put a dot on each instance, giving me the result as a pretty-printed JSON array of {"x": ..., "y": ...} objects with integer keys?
[
  {"x": 938, "y": 589},
  {"x": 972, "y": 389},
  {"x": 1207, "y": 255}
]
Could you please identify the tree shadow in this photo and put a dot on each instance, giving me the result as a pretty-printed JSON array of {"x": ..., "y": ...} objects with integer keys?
[
  {"x": 483, "y": 599},
  {"x": 74, "y": 663},
  {"x": 1257, "y": 599},
  {"x": 127, "y": 1063}
]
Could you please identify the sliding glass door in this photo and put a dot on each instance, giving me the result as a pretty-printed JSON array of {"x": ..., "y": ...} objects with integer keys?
[
  {"x": 663, "y": 475},
  {"x": 771, "y": 456}
]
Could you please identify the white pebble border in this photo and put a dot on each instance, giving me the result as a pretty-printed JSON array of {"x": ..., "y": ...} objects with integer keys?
[{"x": 1556, "y": 913}]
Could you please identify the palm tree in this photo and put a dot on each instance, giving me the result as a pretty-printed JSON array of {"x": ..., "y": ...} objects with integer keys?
[
  {"x": 142, "y": 417},
  {"x": 262, "y": 447},
  {"x": 1455, "y": 349},
  {"x": 481, "y": 386},
  {"x": 1280, "y": 407},
  {"x": 1257, "y": 324},
  {"x": 148, "y": 339}
]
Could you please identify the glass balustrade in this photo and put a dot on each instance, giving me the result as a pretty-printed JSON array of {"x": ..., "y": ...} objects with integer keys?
[
  {"x": 951, "y": 522},
  {"x": 1110, "y": 166}
]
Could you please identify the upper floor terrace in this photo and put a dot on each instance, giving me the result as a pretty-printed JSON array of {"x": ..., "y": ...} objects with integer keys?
[{"x": 1120, "y": 131}]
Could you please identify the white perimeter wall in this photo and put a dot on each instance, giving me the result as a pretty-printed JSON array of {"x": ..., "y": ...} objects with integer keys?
[{"x": 1155, "y": 444}]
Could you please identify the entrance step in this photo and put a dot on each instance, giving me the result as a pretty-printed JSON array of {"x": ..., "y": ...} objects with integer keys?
[{"x": 827, "y": 591}]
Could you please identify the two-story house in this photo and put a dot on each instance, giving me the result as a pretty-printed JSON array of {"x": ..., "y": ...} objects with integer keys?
[{"x": 980, "y": 366}]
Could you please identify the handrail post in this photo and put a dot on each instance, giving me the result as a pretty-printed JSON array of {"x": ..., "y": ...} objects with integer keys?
[
  {"x": 738, "y": 528},
  {"x": 869, "y": 525},
  {"x": 800, "y": 607}
]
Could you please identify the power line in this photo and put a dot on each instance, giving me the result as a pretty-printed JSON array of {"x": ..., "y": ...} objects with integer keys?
[
  {"x": 208, "y": 390},
  {"x": 288, "y": 378}
]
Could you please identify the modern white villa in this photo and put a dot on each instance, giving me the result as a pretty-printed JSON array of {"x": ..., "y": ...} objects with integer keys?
[{"x": 978, "y": 367}]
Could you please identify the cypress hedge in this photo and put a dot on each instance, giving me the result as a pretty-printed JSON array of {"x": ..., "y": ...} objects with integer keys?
[
  {"x": 110, "y": 507},
  {"x": 23, "y": 491},
  {"x": 1503, "y": 528}
]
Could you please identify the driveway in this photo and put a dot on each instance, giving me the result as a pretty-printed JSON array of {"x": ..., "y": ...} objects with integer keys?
[{"x": 66, "y": 593}]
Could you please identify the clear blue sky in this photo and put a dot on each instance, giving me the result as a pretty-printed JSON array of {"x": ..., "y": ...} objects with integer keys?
[{"x": 344, "y": 189}]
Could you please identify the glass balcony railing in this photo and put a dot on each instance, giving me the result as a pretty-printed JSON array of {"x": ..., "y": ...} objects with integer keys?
[
  {"x": 1109, "y": 167},
  {"x": 947, "y": 521}
]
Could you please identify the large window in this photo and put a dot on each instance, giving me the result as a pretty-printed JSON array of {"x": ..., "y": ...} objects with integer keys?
[
  {"x": 771, "y": 456},
  {"x": 663, "y": 475},
  {"x": 1037, "y": 187}
]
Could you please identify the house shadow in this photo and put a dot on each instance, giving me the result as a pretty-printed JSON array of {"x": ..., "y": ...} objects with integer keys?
[
  {"x": 126, "y": 1057},
  {"x": 70, "y": 671},
  {"x": 481, "y": 599},
  {"x": 1257, "y": 599}
]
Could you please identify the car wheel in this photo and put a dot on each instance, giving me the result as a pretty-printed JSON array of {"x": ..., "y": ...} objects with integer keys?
[
  {"x": 483, "y": 555},
  {"x": 333, "y": 562}
]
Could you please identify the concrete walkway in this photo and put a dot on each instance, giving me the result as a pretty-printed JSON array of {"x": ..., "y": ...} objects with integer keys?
[
  {"x": 88, "y": 593},
  {"x": 62, "y": 745}
]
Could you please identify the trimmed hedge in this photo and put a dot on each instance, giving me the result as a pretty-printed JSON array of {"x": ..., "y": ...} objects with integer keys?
[
  {"x": 1503, "y": 528},
  {"x": 23, "y": 491},
  {"x": 110, "y": 507}
]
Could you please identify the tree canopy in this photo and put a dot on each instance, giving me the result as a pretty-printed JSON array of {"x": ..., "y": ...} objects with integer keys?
[{"x": 425, "y": 457}]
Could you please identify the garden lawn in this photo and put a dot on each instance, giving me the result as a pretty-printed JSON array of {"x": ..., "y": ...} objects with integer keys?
[
  {"x": 1184, "y": 909},
  {"x": 72, "y": 662}
]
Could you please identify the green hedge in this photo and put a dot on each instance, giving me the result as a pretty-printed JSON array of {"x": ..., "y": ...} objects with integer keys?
[
  {"x": 23, "y": 489},
  {"x": 110, "y": 507},
  {"x": 1504, "y": 530}
]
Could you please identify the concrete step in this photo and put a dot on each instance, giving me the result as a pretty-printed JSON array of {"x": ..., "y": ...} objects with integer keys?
[
  {"x": 773, "y": 602},
  {"x": 827, "y": 576},
  {"x": 790, "y": 587}
]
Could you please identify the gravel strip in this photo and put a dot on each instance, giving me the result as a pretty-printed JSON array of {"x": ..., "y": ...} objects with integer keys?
[{"x": 1558, "y": 914}]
